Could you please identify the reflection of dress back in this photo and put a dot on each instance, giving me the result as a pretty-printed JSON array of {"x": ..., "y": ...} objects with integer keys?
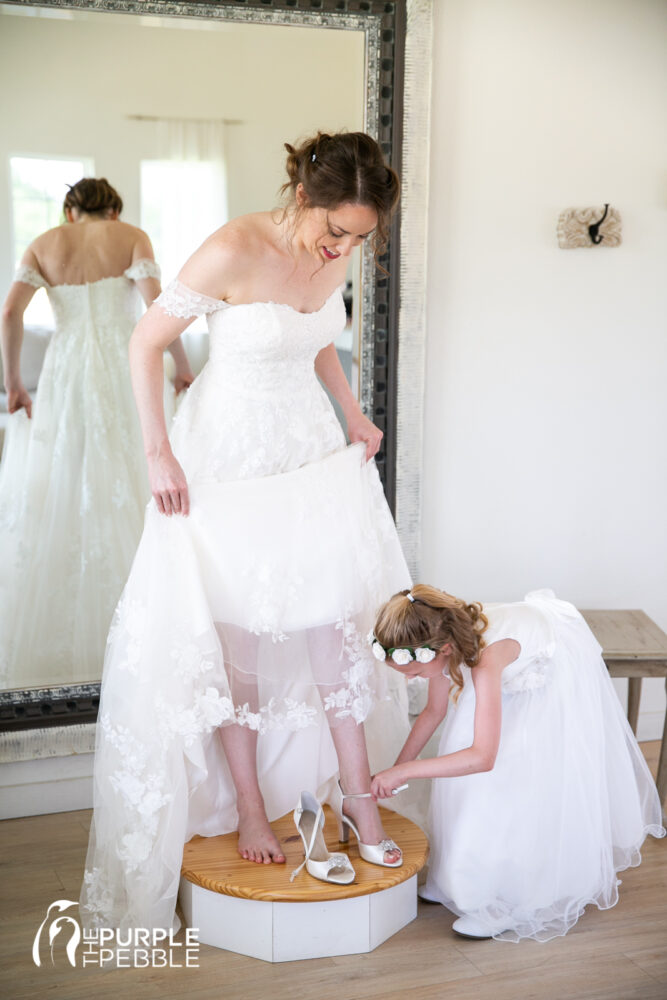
[
  {"x": 97, "y": 307},
  {"x": 73, "y": 487}
]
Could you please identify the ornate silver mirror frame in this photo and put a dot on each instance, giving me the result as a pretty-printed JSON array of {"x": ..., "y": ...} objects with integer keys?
[{"x": 397, "y": 54}]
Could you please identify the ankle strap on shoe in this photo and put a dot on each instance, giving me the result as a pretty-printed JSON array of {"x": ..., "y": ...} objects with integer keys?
[{"x": 367, "y": 795}]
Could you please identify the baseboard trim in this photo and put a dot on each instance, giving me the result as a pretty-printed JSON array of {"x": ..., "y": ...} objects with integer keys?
[{"x": 46, "y": 785}]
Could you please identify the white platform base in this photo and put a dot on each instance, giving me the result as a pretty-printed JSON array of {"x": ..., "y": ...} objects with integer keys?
[{"x": 289, "y": 932}]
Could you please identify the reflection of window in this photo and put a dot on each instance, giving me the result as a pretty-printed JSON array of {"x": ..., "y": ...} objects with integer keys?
[
  {"x": 39, "y": 186},
  {"x": 182, "y": 202}
]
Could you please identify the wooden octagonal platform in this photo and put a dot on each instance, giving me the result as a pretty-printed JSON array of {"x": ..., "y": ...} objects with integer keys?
[{"x": 255, "y": 910}]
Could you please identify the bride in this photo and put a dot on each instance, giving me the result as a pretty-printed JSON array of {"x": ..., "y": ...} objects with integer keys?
[
  {"x": 73, "y": 485},
  {"x": 238, "y": 672}
]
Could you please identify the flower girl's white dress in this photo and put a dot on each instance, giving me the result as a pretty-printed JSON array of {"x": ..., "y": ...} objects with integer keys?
[
  {"x": 523, "y": 848},
  {"x": 73, "y": 487},
  {"x": 254, "y": 609}
]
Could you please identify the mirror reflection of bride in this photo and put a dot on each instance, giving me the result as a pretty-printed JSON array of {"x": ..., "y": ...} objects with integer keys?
[{"x": 73, "y": 485}]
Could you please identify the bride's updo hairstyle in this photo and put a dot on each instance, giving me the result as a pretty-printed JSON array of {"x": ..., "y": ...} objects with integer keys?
[
  {"x": 339, "y": 169},
  {"x": 433, "y": 619},
  {"x": 93, "y": 195}
]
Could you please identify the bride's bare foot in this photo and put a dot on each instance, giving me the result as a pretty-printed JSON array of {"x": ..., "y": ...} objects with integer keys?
[
  {"x": 257, "y": 841},
  {"x": 364, "y": 813}
]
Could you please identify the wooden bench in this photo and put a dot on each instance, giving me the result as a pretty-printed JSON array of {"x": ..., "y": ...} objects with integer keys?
[{"x": 633, "y": 646}]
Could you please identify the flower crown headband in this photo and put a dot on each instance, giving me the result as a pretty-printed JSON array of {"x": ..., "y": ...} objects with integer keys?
[{"x": 405, "y": 654}]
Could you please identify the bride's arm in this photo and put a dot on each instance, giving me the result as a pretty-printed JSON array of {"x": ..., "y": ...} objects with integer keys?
[
  {"x": 359, "y": 427},
  {"x": 16, "y": 303},
  {"x": 149, "y": 289},
  {"x": 154, "y": 332}
]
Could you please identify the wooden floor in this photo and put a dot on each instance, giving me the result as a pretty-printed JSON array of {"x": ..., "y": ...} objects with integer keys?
[{"x": 618, "y": 954}]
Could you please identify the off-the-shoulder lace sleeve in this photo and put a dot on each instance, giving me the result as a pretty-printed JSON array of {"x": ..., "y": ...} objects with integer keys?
[
  {"x": 180, "y": 301},
  {"x": 143, "y": 268},
  {"x": 30, "y": 277}
]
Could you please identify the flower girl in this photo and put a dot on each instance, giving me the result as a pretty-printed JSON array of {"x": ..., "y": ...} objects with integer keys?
[{"x": 541, "y": 794}]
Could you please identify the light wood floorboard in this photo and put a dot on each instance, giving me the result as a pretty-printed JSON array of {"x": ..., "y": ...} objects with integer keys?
[{"x": 618, "y": 954}]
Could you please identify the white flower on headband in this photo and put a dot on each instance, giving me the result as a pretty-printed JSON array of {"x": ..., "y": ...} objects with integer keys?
[
  {"x": 378, "y": 651},
  {"x": 403, "y": 656}
]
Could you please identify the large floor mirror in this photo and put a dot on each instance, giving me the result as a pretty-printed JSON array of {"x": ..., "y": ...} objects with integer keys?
[{"x": 128, "y": 89}]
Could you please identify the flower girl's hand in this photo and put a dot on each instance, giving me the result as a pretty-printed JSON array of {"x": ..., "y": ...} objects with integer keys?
[
  {"x": 384, "y": 783},
  {"x": 360, "y": 428},
  {"x": 168, "y": 485}
]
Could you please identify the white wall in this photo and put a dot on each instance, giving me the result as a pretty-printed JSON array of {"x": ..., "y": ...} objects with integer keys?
[
  {"x": 74, "y": 80},
  {"x": 546, "y": 396}
]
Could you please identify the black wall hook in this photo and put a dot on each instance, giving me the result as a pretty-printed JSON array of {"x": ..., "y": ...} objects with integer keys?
[{"x": 594, "y": 228}]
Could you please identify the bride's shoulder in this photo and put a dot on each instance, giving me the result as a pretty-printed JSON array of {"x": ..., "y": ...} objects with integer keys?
[
  {"x": 226, "y": 255},
  {"x": 48, "y": 246},
  {"x": 213, "y": 268},
  {"x": 248, "y": 235},
  {"x": 50, "y": 237}
]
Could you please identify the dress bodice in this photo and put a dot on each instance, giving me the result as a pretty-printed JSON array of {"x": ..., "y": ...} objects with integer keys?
[
  {"x": 109, "y": 305},
  {"x": 260, "y": 347},
  {"x": 530, "y": 623},
  {"x": 257, "y": 408}
]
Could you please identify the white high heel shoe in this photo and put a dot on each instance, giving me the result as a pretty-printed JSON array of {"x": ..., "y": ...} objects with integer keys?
[
  {"x": 309, "y": 821},
  {"x": 373, "y": 853}
]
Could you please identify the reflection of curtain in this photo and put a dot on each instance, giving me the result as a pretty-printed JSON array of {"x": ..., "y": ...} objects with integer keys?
[
  {"x": 184, "y": 191},
  {"x": 187, "y": 140}
]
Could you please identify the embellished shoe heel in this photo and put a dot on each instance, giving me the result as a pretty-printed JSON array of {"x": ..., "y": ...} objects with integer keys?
[
  {"x": 373, "y": 853},
  {"x": 309, "y": 821}
]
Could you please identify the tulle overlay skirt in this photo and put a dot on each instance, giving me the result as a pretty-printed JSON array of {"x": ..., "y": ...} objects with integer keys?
[
  {"x": 523, "y": 848},
  {"x": 253, "y": 610},
  {"x": 73, "y": 489}
]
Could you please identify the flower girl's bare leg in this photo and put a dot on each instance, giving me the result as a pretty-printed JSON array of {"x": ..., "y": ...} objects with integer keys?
[{"x": 257, "y": 841}]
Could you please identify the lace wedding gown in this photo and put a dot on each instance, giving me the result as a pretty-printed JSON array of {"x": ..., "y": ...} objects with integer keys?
[
  {"x": 253, "y": 610},
  {"x": 73, "y": 488},
  {"x": 523, "y": 848}
]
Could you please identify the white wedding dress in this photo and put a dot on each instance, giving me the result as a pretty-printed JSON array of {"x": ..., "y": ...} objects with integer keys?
[
  {"x": 523, "y": 848},
  {"x": 253, "y": 610},
  {"x": 73, "y": 488}
]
